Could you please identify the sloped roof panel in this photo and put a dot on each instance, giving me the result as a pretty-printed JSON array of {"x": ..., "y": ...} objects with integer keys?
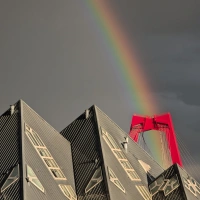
[
  {"x": 133, "y": 154},
  {"x": 60, "y": 150}
]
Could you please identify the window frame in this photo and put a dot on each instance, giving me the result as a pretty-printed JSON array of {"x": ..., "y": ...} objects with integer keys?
[
  {"x": 113, "y": 178},
  {"x": 34, "y": 135},
  {"x": 143, "y": 190},
  {"x": 129, "y": 171},
  {"x": 161, "y": 183},
  {"x": 31, "y": 178},
  {"x": 37, "y": 148},
  {"x": 93, "y": 179},
  {"x": 11, "y": 178},
  {"x": 70, "y": 190}
]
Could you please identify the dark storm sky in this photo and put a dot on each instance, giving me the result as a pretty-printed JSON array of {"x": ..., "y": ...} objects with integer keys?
[{"x": 52, "y": 57}]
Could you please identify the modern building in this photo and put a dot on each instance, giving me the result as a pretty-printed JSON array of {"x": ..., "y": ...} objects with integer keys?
[
  {"x": 100, "y": 147},
  {"x": 91, "y": 159},
  {"x": 36, "y": 160},
  {"x": 175, "y": 183}
]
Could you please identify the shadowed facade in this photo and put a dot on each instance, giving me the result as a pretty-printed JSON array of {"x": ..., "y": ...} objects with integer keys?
[
  {"x": 35, "y": 159},
  {"x": 91, "y": 159},
  {"x": 97, "y": 141}
]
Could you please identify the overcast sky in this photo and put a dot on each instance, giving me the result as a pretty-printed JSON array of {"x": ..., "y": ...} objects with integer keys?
[{"x": 52, "y": 57}]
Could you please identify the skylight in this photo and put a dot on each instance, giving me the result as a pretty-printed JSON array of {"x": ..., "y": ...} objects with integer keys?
[
  {"x": 113, "y": 178},
  {"x": 119, "y": 154},
  {"x": 13, "y": 176},
  {"x": 95, "y": 180},
  {"x": 31, "y": 177}
]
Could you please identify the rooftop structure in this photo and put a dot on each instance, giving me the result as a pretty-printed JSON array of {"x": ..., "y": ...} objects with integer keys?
[
  {"x": 98, "y": 143},
  {"x": 92, "y": 158},
  {"x": 36, "y": 160}
]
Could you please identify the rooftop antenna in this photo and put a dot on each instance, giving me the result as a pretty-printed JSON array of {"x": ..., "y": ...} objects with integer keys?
[
  {"x": 87, "y": 114},
  {"x": 126, "y": 143},
  {"x": 12, "y": 109}
]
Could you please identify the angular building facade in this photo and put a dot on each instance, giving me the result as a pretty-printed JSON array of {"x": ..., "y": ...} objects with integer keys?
[
  {"x": 91, "y": 159},
  {"x": 98, "y": 143},
  {"x": 175, "y": 183},
  {"x": 11, "y": 153},
  {"x": 36, "y": 160}
]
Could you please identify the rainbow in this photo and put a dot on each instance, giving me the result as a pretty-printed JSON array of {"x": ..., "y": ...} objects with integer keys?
[{"x": 136, "y": 83}]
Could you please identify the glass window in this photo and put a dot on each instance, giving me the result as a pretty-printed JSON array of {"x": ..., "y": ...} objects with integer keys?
[
  {"x": 44, "y": 153},
  {"x": 34, "y": 137},
  {"x": 71, "y": 191},
  {"x": 95, "y": 180},
  {"x": 68, "y": 192},
  {"x": 14, "y": 175},
  {"x": 165, "y": 185},
  {"x": 31, "y": 177},
  {"x": 155, "y": 186},
  {"x": 110, "y": 140},
  {"x": 57, "y": 173},
  {"x": 28, "y": 128},
  {"x": 133, "y": 175},
  {"x": 119, "y": 154},
  {"x": 37, "y": 138},
  {"x": 171, "y": 185},
  {"x": 51, "y": 162},
  {"x": 126, "y": 164},
  {"x": 113, "y": 178}
]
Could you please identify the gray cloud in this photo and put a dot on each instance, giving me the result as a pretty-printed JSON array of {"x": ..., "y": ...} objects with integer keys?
[
  {"x": 158, "y": 16},
  {"x": 172, "y": 61},
  {"x": 185, "y": 119},
  {"x": 167, "y": 38}
]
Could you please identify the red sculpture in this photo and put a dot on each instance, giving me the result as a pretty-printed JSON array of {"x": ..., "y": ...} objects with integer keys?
[{"x": 160, "y": 123}]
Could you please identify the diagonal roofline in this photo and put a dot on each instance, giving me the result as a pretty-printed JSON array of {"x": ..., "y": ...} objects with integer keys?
[
  {"x": 23, "y": 102},
  {"x": 96, "y": 107}
]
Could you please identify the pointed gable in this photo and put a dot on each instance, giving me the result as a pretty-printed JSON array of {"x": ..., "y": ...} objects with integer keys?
[
  {"x": 98, "y": 142},
  {"x": 125, "y": 160}
]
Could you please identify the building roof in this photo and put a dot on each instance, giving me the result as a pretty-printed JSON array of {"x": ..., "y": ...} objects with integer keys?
[
  {"x": 81, "y": 135},
  {"x": 42, "y": 154},
  {"x": 95, "y": 157}
]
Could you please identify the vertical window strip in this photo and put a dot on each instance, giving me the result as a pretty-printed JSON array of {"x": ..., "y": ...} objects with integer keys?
[
  {"x": 110, "y": 141},
  {"x": 57, "y": 173},
  {"x": 39, "y": 141},
  {"x": 144, "y": 192},
  {"x": 113, "y": 178},
  {"x": 132, "y": 174},
  {"x": 68, "y": 191},
  {"x": 51, "y": 163},
  {"x": 119, "y": 154},
  {"x": 44, "y": 153}
]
